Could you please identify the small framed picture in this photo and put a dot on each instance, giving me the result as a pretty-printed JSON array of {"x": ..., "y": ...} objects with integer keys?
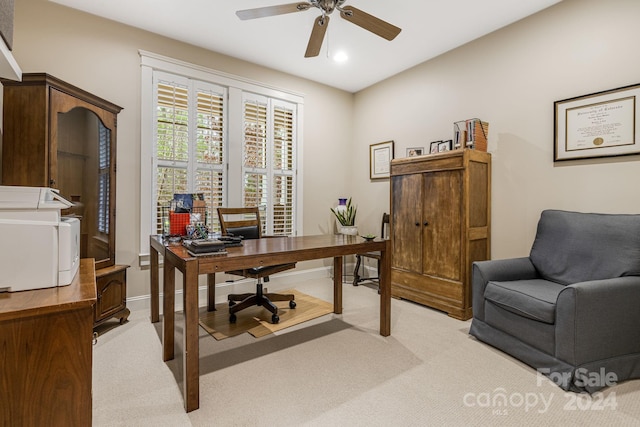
[
  {"x": 434, "y": 147},
  {"x": 415, "y": 151},
  {"x": 444, "y": 146}
]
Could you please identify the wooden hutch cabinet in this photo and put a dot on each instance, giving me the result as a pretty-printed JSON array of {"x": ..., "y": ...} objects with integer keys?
[
  {"x": 57, "y": 135},
  {"x": 441, "y": 223}
]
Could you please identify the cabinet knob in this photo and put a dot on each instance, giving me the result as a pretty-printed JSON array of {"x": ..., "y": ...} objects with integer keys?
[
  {"x": 417, "y": 224},
  {"x": 426, "y": 223}
]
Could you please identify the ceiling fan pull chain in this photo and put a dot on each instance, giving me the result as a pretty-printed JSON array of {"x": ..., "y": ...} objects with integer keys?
[{"x": 327, "y": 38}]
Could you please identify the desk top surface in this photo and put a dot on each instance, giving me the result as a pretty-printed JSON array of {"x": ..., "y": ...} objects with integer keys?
[{"x": 275, "y": 250}]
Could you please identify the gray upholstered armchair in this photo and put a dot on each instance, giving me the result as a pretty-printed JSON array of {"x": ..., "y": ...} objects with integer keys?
[{"x": 571, "y": 309}]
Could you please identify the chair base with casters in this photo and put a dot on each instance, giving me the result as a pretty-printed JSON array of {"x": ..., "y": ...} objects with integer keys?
[
  {"x": 239, "y": 302},
  {"x": 249, "y": 227}
]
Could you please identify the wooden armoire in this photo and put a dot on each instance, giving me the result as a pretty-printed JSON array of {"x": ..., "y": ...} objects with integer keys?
[
  {"x": 60, "y": 136},
  {"x": 441, "y": 223}
]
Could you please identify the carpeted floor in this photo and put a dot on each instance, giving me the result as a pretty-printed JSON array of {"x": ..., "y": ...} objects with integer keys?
[{"x": 337, "y": 370}]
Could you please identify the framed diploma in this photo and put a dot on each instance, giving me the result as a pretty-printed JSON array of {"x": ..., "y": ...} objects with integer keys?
[
  {"x": 601, "y": 124},
  {"x": 380, "y": 156}
]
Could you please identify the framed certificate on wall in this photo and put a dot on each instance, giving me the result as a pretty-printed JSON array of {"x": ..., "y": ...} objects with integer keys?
[
  {"x": 380, "y": 156},
  {"x": 600, "y": 124}
]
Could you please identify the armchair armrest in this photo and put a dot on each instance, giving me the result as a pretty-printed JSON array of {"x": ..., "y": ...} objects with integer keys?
[
  {"x": 501, "y": 270},
  {"x": 598, "y": 319}
]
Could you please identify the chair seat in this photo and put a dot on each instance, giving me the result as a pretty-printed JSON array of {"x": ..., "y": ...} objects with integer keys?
[
  {"x": 260, "y": 272},
  {"x": 374, "y": 255},
  {"x": 534, "y": 298}
]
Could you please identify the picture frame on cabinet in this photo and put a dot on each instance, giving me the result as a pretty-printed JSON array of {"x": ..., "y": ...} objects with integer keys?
[
  {"x": 601, "y": 124},
  {"x": 380, "y": 156},
  {"x": 415, "y": 151},
  {"x": 433, "y": 147},
  {"x": 444, "y": 146}
]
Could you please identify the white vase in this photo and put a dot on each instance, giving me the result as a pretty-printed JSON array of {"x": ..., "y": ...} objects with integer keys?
[{"x": 351, "y": 230}]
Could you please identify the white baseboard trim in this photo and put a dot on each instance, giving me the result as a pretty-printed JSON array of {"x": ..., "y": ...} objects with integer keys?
[{"x": 278, "y": 282}]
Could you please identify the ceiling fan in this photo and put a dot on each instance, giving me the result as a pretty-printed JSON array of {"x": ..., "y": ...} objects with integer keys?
[{"x": 356, "y": 16}]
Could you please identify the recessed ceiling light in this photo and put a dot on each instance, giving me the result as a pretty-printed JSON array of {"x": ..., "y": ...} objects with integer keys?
[{"x": 340, "y": 56}]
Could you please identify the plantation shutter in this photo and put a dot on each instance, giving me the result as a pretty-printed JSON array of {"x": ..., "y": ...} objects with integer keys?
[
  {"x": 190, "y": 144},
  {"x": 255, "y": 147},
  {"x": 104, "y": 154},
  {"x": 172, "y": 144},
  {"x": 269, "y": 161},
  {"x": 210, "y": 150},
  {"x": 283, "y": 169}
]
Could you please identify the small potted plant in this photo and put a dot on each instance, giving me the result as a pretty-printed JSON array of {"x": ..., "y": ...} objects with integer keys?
[{"x": 346, "y": 216}]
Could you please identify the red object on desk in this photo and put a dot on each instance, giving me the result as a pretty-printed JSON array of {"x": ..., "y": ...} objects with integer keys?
[{"x": 178, "y": 223}]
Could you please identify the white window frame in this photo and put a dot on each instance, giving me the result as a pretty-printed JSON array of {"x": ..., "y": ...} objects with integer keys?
[{"x": 151, "y": 62}]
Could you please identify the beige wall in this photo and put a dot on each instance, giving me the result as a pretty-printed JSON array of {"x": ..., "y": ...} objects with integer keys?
[
  {"x": 511, "y": 79},
  {"x": 101, "y": 57}
]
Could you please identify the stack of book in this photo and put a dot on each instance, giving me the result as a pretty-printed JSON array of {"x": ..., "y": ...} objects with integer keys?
[
  {"x": 471, "y": 133},
  {"x": 217, "y": 246},
  {"x": 204, "y": 247}
]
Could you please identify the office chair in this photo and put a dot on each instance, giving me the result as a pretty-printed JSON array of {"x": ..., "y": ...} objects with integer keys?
[
  {"x": 248, "y": 226},
  {"x": 375, "y": 255}
]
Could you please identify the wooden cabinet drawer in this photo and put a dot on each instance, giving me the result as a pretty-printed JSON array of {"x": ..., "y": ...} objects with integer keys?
[{"x": 111, "y": 289}]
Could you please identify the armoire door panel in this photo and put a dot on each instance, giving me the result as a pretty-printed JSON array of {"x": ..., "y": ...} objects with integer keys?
[
  {"x": 442, "y": 224},
  {"x": 407, "y": 222}
]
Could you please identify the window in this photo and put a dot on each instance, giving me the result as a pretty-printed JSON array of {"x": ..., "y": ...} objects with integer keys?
[
  {"x": 268, "y": 161},
  {"x": 233, "y": 140},
  {"x": 189, "y": 143}
]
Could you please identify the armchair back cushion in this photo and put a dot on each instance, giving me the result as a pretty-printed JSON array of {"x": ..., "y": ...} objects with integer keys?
[{"x": 572, "y": 247}]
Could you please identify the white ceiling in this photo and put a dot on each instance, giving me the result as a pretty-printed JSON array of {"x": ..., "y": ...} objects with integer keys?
[{"x": 429, "y": 28}]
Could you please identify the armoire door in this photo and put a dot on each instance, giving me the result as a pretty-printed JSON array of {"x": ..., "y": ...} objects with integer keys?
[
  {"x": 407, "y": 222},
  {"x": 442, "y": 224}
]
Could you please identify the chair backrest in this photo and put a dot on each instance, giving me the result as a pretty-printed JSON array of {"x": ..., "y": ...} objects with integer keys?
[
  {"x": 572, "y": 247},
  {"x": 384, "y": 228},
  {"x": 243, "y": 222}
]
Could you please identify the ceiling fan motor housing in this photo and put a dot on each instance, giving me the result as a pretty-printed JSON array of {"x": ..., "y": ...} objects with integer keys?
[{"x": 327, "y": 6}]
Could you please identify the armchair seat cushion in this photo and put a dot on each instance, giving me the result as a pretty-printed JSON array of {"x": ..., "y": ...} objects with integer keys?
[{"x": 533, "y": 298}]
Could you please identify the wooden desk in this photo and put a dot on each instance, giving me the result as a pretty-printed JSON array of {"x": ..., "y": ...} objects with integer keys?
[
  {"x": 260, "y": 252},
  {"x": 46, "y": 341}
]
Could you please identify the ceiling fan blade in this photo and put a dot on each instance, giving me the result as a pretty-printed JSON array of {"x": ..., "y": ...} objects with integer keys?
[
  {"x": 317, "y": 36},
  {"x": 370, "y": 23},
  {"x": 262, "y": 12}
]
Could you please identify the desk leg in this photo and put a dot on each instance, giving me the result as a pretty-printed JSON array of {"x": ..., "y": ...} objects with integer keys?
[
  {"x": 168, "y": 310},
  {"x": 191, "y": 373},
  {"x": 211, "y": 292},
  {"x": 337, "y": 285},
  {"x": 155, "y": 286},
  {"x": 385, "y": 292}
]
